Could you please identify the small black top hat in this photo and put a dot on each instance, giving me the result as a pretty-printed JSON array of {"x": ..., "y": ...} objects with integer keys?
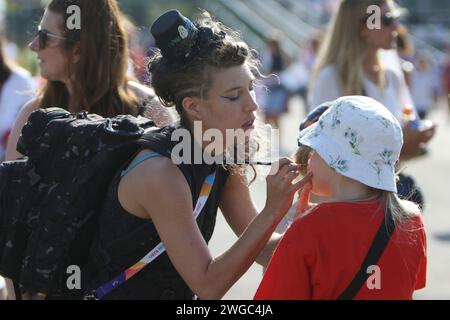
[{"x": 175, "y": 35}]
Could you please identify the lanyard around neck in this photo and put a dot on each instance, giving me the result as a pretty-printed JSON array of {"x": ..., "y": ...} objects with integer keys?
[{"x": 124, "y": 276}]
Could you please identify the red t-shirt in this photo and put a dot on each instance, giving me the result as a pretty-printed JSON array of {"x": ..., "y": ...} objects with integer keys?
[{"x": 321, "y": 253}]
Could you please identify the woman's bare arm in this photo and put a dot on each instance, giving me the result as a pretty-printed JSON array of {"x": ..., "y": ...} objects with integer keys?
[
  {"x": 161, "y": 190},
  {"x": 239, "y": 211},
  {"x": 22, "y": 118}
]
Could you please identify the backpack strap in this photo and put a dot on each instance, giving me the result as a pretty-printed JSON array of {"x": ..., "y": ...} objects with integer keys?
[
  {"x": 113, "y": 284},
  {"x": 376, "y": 250}
]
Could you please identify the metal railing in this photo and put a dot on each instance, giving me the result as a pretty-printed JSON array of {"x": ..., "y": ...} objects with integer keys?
[{"x": 253, "y": 18}]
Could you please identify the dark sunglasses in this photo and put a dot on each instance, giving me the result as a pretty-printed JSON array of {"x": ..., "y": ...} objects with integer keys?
[
  {"x": 387, "y": 19},
  {"x": 43, "y": 35}
]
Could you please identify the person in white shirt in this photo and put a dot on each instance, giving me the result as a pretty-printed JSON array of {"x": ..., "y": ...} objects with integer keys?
[
  {"x": 350, "y": 62},
  {"x": 16, "y": 88},
  {"x": 424, "y": 85},
  {"x": 2, "y": 289}
]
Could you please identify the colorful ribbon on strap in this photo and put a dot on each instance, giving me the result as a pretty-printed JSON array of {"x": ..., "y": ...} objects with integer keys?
[{"x": 111, "y": 285}]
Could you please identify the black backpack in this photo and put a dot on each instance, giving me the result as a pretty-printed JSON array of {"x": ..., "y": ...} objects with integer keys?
[{"x": 50, "y": 197}]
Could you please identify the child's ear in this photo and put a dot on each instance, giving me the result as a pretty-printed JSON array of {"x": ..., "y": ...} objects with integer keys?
[{"x": 191, "y": 106}]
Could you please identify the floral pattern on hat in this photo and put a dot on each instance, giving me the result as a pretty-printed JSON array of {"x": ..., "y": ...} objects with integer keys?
[
  {"x": 353, "y": 139},
  {"x": 338, "y": 164},
  {"x": 336, "y": 122},
  {"x": 386, "y": 157}
]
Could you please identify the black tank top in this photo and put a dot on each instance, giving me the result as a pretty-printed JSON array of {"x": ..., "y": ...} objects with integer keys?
[{"x": 123, "y": 239}]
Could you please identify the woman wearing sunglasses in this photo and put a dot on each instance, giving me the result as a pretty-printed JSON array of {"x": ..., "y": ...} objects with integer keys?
[
  {"x": 86, "y": 68},
  {"x": 350, "y": 63}
]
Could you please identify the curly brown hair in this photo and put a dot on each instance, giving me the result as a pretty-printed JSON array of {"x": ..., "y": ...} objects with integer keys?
[{"x": 175, "y": 81}]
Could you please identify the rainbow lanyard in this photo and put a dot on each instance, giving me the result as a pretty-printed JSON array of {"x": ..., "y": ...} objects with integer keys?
[{"x": 111, "y": 285}]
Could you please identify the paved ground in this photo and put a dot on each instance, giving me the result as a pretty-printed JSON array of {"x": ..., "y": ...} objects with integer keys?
[{"x": 432, "y": 174}]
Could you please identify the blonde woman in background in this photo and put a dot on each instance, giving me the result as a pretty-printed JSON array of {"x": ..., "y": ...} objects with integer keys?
[
  {"x": 349, "y": 63},
  {"x": 354, "y": 60}
]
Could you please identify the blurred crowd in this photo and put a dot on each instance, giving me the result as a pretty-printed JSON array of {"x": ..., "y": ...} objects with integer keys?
[
  {"x": 428, "y": 80},
  {"x": 340, "y": 59}
]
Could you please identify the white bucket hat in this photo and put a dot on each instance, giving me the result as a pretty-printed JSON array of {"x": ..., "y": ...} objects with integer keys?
[{"x": 359, "y": 138}]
